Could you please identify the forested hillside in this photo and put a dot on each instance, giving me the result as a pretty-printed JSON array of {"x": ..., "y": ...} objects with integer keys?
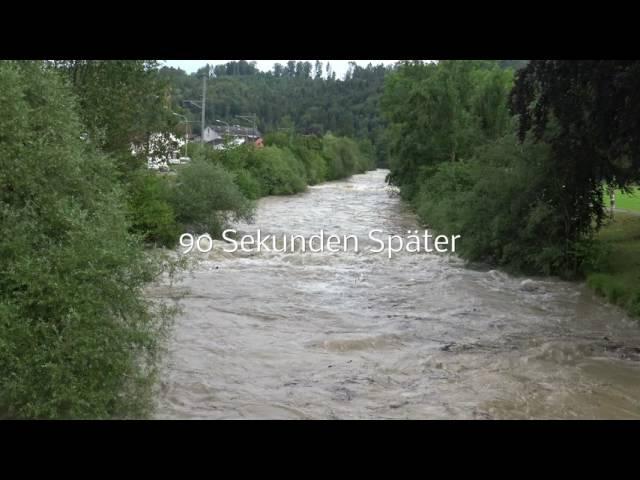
[{"x": 301, "y": 96}]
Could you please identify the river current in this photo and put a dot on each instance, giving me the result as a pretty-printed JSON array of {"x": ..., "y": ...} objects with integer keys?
[{"x": 356, "y": 335}]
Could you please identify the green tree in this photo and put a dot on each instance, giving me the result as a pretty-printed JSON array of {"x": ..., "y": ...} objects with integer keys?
[
  {"x": 442, "y": 112},
  {"x": 205, "y": 198},
  {"x": 78, "y": 339},
  {"x": 121, "y": 102},
  {"x": 589, "y": 112}
]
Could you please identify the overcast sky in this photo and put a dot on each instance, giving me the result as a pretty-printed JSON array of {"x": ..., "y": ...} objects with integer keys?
[{"x": 338, "y": 66}]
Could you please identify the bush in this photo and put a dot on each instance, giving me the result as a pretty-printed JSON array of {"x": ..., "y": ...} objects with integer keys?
[
  {"x": 234, "y": 159},
  {"x": 205, "y": 198},
  {"x": 278, "y": 171},
  {"x": 503, "y": 205},
  {"x": 151, "y": 214},
  {"x": 307, "y": 149},
  {"x": 248, "y": 184},
  {"x": 344, "y": 157},
  {"x": 367, "y": 155},
  {"x": 78, "y": 339},
  {"x": 289, "y": 162},
  {"x": 314, "y": 164},
  {"x": 339, "y": 162},
  {"x": 277, "y": 139}
]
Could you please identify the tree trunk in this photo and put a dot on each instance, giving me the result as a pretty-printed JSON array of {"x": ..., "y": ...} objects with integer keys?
[{"x": 612, "y": 199}]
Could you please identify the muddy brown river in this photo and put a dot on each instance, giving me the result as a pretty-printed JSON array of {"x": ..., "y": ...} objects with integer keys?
[{"x": 356, "y": 335}]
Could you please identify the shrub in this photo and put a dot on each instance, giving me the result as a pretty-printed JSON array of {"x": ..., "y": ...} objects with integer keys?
[
  {"x": 367, "y": 155},
  {"x": 314, "y": 165},
  {"x": 278, "y": 171},
  {"x": 151, "y": 214},
  {"x": 344, "y": 157},
  {"x": 78, "y": 339},
  {"x": 503, "y": 206},
  {"x": 248, "y": 184},
  {"x": 205, "y": 198},
  {"x": 339, "y": 163},
  {"x": 277, "y": 139},
  {"x": 289, "y": 162}
]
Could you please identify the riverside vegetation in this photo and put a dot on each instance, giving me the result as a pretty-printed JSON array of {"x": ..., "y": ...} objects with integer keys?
[
  {"x": 78, "y": 211},
  {"x": 517, "y": 162},
  {"x": 218, "y": 186},
  {"x": 78, "y": 339}
]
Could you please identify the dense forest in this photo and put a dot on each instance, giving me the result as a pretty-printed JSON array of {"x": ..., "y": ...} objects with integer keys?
[{"x": 301, "y": 96}]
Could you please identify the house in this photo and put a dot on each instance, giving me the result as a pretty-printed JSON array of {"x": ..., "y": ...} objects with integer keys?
[
  {"x": 221, "y": 137},
  {"x": 232, "y": 142},
  {"x": 213, "y": 136}
]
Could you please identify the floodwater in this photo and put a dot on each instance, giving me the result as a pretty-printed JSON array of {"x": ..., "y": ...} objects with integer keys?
[{"x": 348, "y": 335}]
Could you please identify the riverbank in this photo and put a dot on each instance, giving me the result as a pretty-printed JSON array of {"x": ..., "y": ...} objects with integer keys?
[
  {"x": 617, "y": 277},
  {"x": 219, "y": 187}
]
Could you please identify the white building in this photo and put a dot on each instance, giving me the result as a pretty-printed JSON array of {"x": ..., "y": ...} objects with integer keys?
[
  {"x": 161, "y": 150},
  {"x": 212, "y": 135},
  {"x": 232, "y": 135}
]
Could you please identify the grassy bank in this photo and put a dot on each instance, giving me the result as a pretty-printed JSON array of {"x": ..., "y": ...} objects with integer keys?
[
  {"x": 617, "y": 277},
  {"x": 626, "y": 201}
]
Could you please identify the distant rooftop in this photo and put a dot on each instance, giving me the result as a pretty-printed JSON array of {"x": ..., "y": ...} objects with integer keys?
[{"x": 235, "y": 130}]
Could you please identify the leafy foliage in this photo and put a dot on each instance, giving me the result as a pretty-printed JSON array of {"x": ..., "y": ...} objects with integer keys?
[
  {"x": 290, "y": 162},
  {"x": 121, "y": 102},
  {"x": 77, "y": 337},
  {"x": 528, "y": 207},
  {"x": 593, "y": 109},
  {"x": 501, "y": 202},
  {"x": 205, "y": 198},
  {"x": 150, "y": 209},
  {"x": 442, "y": 112}
]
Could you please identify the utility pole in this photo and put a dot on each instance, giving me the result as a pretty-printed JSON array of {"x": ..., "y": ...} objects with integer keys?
[
  {"x": 202, "y": 104},
  {"x": 204, "y": 98}
]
